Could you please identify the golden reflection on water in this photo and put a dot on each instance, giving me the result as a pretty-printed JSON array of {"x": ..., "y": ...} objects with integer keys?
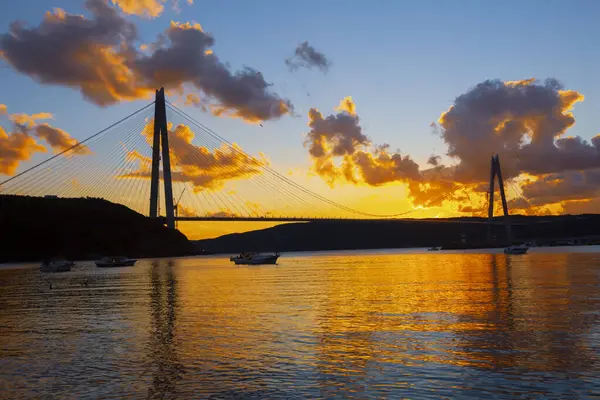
[{"x": 318, "y": 325}]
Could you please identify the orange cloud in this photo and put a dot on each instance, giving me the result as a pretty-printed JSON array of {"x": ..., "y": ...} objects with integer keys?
[
  {"x": 221, "y": 214},
  {"x": 340, "y": 151},
  {"x": 29, "y": 121},
  {"x": 145, "y": 8},
  {"x": 14, "y": 148},
  {"x": 198, "y": 165},
  {"x": 20, "y": 144},
  {"x": 347, "y": 105},
  {"x": 184, "y": 211}
]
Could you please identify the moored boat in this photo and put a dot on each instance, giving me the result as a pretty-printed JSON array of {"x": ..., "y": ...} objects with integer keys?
[
  {"x": 434, "y": 248},
  {"x": 255, "y": 259},
  {"x": 118, "y": 261},
  {"x": 56, "y": 266},
  {"x": 516, "y": 249}
]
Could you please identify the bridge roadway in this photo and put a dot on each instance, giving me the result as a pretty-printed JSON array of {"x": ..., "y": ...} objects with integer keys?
[{"x": 302, "y": 219}]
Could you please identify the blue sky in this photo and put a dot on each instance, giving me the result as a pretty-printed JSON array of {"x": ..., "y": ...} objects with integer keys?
[{"x": 402, "y": 62}]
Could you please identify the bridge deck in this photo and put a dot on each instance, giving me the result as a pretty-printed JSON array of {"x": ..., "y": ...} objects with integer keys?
[{"x": 301, "y": 219}]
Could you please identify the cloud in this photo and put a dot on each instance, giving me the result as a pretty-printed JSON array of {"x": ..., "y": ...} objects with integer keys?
[
  {"x": 305, "y": 56},
  {"x": 433, "y": 160},
  {"x": 221, "y": 214},
  {"x": 337, "y": 134},
  {"x": 29, "y": 121},
  {"x": 99, "y": 57},
  {"x": 142, "y": 8},
  {"x": 184, "y": 211},
  {"x": 59, "y": 140},
  {"x": 587, "y": 206},
  {"x": 19, "y": 144},
  {"x": 341, "y": 152},
  {"x": 523, "y": 121},
  {"x": 244, "y": 94},
  {"x": 16, "y": 147},
  {"x": 198, "y": 165},
  {"x": 562, "y": 187},
  {"x": 74, "y": 51},
  {"x": 146, "y": 8}
]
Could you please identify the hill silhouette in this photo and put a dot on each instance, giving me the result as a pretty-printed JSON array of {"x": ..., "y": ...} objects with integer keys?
[
  {"x": 33, "y": 228},
  {"x": 350, "y": 235}
]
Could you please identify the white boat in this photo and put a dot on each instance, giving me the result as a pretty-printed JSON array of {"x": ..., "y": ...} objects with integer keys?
[
  {"x": 56, "y": 266},
  {"x": 255, "y": 259},
  {"x": 516, "y": 249},
  {"x": 434, "y": 248},
  {"x": 119, "y": 261}
]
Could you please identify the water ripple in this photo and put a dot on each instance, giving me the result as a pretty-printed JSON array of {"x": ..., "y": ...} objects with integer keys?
[{"x": 322, "y": 325}]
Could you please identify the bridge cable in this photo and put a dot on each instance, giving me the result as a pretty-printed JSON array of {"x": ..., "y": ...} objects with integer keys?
[
  {"x": 260, "y": 177},
  {"x": 74, "y": 146},
  {"x": 281, "y": 177}
]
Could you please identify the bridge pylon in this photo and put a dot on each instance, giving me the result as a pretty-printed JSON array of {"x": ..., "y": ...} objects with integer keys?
[
  {"x": 161, "y": 136},
  {"x": 495, "y": 170}
]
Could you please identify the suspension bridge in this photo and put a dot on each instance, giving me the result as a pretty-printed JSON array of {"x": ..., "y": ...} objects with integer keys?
[{"x": 163, "y": 163}]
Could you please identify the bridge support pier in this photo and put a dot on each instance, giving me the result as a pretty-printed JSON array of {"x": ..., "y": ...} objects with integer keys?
[
  {"x": 161, "y": 135},
  {"x": 497, "y": 171}
]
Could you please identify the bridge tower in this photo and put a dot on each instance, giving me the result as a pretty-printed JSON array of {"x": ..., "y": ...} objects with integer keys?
[
  {"x": 497, "y": 171},
  {"x": 161, "y": 135}
]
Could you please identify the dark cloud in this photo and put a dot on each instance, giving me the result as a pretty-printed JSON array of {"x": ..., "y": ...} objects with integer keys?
[
  {"x": 561, "y": 187},
  {"x": 341, "y": 152},
  {"x": 98, "y": 55},
  {"x": 434, "y": 160},
  {"x": 565, "y": 154},
  {"x": 186, "y": 58},
  {"x": 338, "y": 134},
  {"x": 523, "y": 121},
  {"x": 587, "y": 206},
  {"x": 305, "y": 56},
  {"x": 59, "y": 140}
]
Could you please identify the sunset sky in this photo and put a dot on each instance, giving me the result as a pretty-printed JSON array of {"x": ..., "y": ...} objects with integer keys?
[{"x": 382, "y": 106}]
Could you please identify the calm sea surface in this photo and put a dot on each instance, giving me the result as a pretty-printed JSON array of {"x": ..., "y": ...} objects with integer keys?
[{"x": 376, "y": 324}]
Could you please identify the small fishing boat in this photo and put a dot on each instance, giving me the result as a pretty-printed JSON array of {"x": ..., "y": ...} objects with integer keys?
[
  {"x": 56, "y": 266},
  {"x": 434, "y": 248},
  {"x": 516, "y": 249},
  {"x": 118, "y": 261},
  {"x": 255, "y": 259}
]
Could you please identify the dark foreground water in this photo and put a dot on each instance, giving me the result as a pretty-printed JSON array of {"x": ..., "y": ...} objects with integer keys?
[{"x": 378, "y": 324}]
